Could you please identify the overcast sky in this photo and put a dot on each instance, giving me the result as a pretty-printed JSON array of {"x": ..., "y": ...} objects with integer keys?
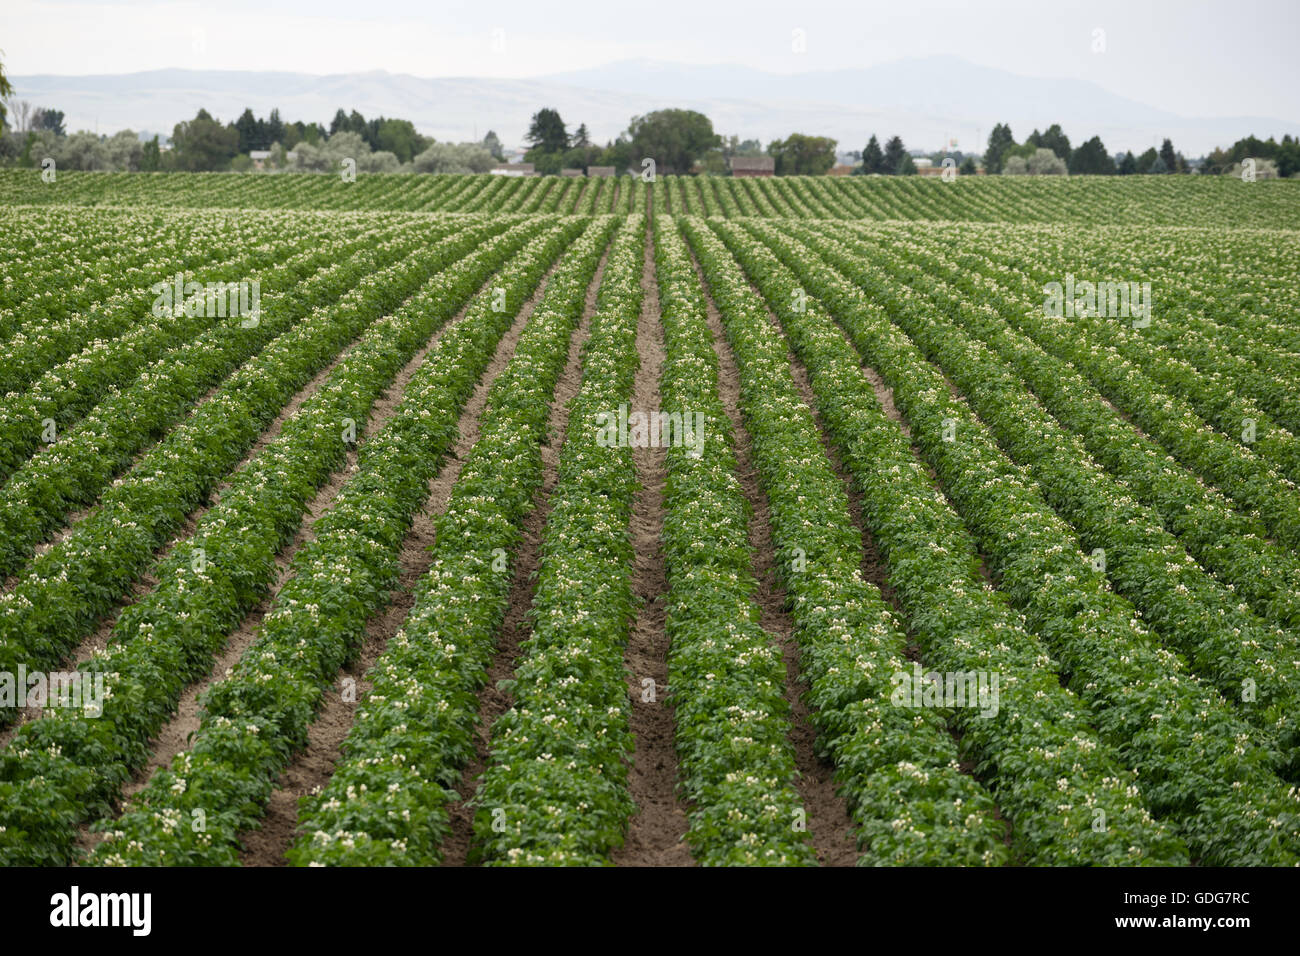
[{"x": 1193, "y": 57}]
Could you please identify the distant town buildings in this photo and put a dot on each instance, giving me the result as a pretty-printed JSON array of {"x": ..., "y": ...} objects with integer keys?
[{"x": 514, "y": 169}]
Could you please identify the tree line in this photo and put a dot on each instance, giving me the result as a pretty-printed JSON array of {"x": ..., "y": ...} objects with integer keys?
[{"x": 680, "y": 141}]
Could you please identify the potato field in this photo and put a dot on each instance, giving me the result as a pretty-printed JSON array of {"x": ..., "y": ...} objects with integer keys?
[{"x": 794, "y": 521}]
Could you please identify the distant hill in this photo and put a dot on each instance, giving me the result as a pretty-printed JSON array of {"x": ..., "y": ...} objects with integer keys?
[{"x": 923, "y": 100}]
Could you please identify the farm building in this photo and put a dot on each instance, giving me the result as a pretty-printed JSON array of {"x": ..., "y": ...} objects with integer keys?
[{"x": 753, "y": 166}]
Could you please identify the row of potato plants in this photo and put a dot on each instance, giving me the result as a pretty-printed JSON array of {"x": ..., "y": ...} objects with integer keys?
[
  {"x": 1066, "y": 790},
  {"x": 555, "y": 789},
  {"x": 52, "y": 372},
  {"x": 259, "y": 715},
  {"x": 817, "y": 201},
  {"x": 1095, "y": 200},
  {"x": 1202, "y": 767},
  {"x": 46, "y": 255},
  {"x": 74, "y": 470},
  {"x": 726, "y": 676},
  {"x": 897, "y": 767},
  {"x": 1219, "y": 308},
  {"x": 60, "y": 285},
  {"x": 1250, "y": 661},
  {"x": 1200, "y": 375},
  {"x": 68, "y": 766},
  {"x": 1253, "y": 484},
  {"x": 63, "y": 592},
  {"x": 49, "y": 334},
  {"x": 1231, "y": 544},
  {"x": 757, "y": 195},
  {"x": 1234, "y": 545},
  {"x": 514, "y": 204},
  {"x": 733, "y": 202},
  {"x": 386, "y": 801}
]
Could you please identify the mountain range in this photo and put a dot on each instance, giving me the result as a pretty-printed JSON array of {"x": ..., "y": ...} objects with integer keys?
[{"x": 928, "y": 101}]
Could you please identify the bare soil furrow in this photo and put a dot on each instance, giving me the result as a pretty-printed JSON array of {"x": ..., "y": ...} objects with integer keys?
[
  {"x": 312, "y": 767},
  {"x": 656, "y": 836},
  {"x": 99, "y": 639},
  {"x": 829, "y": 823},
  {"x": 874, "y": 567},
  {"x": 493, "y": 702},
  {"x": 175, "y": 735}
]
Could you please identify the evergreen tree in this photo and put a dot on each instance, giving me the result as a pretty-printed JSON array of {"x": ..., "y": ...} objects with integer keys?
[
  {"x": 1167, "y": 156},
  {"x": 1000, "y": 140},
  {"x": 1091, "y": 158},
  {"x": 151, "y": 156},
  {"x": 246, "y": 128},
  {"x": 896, "y": 157},
  {"x": 1056, "y": 140},
  {"x": 547, "y": 132},
  {"x": 873, "y": 160},
  {"x": 274, "y": 129}
]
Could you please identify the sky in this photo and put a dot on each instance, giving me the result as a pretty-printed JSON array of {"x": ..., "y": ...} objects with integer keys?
[{"x": 1196, "y": 58}]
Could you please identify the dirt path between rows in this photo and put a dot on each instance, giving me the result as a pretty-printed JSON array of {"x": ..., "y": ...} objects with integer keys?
[
  {"x": 175, "y": 734},
  {"x": 874, "y": 567},
  {"x": 78, "y": 514},
  {"x": 312, "y": 767},
  {"x": 656, "y": 835},
  {"x": 829, "y": 824},
  {"x": 98, "y": 640},
  {"x": 494, "y": 702}
]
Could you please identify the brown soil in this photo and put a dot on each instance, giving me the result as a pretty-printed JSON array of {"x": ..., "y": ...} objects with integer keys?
[
  {"x": 874, "y": 568},
  {"x": 656, "y": 835},
  {"x": 176, "y": 733},
  {"x": 267, "y": 436},
  {"x": 493, "y": 702},
  {"x": 99, "y": 638},
  {"x": 312, "y": 767},
  {"x": 829, "y": 824}
]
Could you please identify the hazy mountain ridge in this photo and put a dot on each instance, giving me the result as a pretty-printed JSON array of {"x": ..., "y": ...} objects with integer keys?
[{"x": 926, "y": 101}]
